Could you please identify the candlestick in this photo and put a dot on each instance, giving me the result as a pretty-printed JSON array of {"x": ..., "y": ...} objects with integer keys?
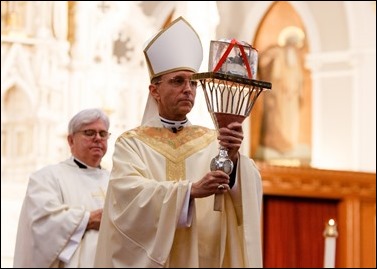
[{"x": 330, "y": 235}]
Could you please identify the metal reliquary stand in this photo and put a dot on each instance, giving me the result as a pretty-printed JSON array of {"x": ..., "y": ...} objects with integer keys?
[{"x": 229, "y": 98}]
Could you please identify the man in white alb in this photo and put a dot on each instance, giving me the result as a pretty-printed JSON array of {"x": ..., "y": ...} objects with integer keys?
[{"x": 62, "y": 209}]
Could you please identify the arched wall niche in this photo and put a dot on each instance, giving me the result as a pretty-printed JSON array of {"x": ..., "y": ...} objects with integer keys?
[{"x": 280, "y": 123}]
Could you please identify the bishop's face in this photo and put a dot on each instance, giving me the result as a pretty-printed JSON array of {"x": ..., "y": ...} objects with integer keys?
[{"x": 175, "y": 94}]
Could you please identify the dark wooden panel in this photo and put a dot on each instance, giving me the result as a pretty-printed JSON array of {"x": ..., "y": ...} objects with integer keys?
[{"x": 293, "y": 230}]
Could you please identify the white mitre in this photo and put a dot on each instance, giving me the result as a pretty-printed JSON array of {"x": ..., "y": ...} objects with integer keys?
[{"x": 177, "y": 47}]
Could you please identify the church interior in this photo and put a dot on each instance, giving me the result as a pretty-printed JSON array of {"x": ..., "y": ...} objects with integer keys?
[{"x": 316, "y": 149}]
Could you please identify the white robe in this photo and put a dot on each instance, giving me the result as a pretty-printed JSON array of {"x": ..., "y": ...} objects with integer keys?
[
  {"x": 56, "y": 200},
  {"x": 152, "y": 169}
]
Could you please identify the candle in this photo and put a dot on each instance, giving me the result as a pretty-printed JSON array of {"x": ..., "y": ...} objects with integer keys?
[{"x": 330, "y": 235}]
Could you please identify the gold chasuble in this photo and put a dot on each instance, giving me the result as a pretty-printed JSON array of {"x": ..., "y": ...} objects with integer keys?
[
  {"x": 149, "y": 220},
  {"x": 176, "y": 147}
]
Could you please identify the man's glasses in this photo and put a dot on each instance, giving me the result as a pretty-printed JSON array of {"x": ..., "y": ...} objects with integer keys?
[
  {"x": 179, "y": 81},
  {"x": 90, "y": 133}
]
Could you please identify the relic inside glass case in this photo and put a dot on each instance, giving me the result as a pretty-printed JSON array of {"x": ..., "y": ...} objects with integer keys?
[{"x": 232, "y": 57}]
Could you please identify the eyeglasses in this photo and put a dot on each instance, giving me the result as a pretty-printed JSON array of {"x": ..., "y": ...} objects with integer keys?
[
  {"x": 90, "y": 133},
  {"x": 179, "y": 81}
]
